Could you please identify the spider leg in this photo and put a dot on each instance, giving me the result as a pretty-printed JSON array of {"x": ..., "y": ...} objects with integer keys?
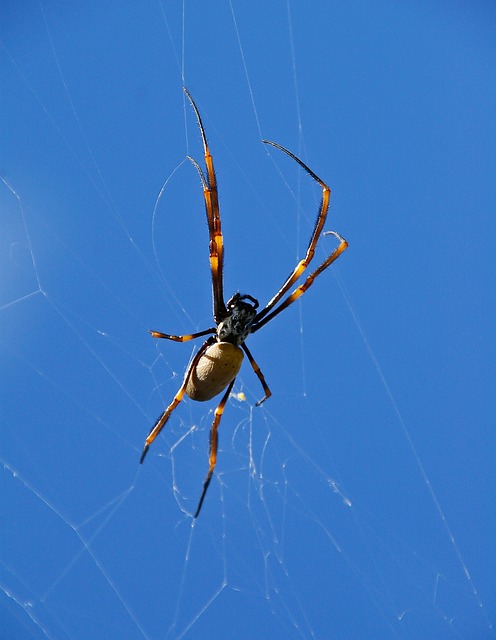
[
  {"x": 185, "y": 338},
  {"x": 211, "y": 198},
  {"x": 299, "y": 291},
  {"x": 213, "y": 445},
  {"x": 159, "y": 425},
  {"x": 317, "y": 230},
  {"x": 259, "y": 375}
]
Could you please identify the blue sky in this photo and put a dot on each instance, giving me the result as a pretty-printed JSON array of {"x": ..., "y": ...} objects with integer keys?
[{"x": 359, "y": 500}]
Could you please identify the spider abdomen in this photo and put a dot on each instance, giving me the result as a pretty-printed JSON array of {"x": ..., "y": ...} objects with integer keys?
[{"x": 217, "y": 367}]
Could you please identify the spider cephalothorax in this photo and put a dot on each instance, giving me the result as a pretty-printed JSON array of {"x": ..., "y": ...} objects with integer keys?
[
  {"x": 236, "y": 327},
  {"x": 218, "y": 361}
]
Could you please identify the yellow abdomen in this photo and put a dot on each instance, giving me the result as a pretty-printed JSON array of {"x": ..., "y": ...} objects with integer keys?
[{"x": 217, "y": 367}]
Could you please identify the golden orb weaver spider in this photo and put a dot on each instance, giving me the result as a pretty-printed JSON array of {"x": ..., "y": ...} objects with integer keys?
[{"x": 218, "y": 361}]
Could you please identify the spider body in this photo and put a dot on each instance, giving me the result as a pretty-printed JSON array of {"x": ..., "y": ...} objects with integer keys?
[
  {"x": 216, "y": 364},
  {"x": 221, "y": 362}
]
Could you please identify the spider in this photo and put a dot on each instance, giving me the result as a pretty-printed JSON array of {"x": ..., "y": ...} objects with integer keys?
[{"x": 218, "y": 361}]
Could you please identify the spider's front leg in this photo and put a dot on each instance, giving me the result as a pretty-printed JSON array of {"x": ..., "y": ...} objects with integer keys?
[{"x": 210, "y": 195}]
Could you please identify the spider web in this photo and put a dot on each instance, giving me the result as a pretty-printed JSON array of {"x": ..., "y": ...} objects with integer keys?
[{"x": 353, "y": 503}]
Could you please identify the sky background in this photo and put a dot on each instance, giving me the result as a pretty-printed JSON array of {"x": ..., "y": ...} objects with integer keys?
[{"x": 358, "y": 502}]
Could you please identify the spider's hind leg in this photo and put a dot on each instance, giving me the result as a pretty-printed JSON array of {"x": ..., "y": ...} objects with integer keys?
[
  {"x": 214, "y": 441},
  {"x": 159, "y": 425},
  {"x": 259, "y": 375}
]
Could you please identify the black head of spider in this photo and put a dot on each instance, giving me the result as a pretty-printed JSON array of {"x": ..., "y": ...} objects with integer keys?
[{"x": 236, "y": 327}]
